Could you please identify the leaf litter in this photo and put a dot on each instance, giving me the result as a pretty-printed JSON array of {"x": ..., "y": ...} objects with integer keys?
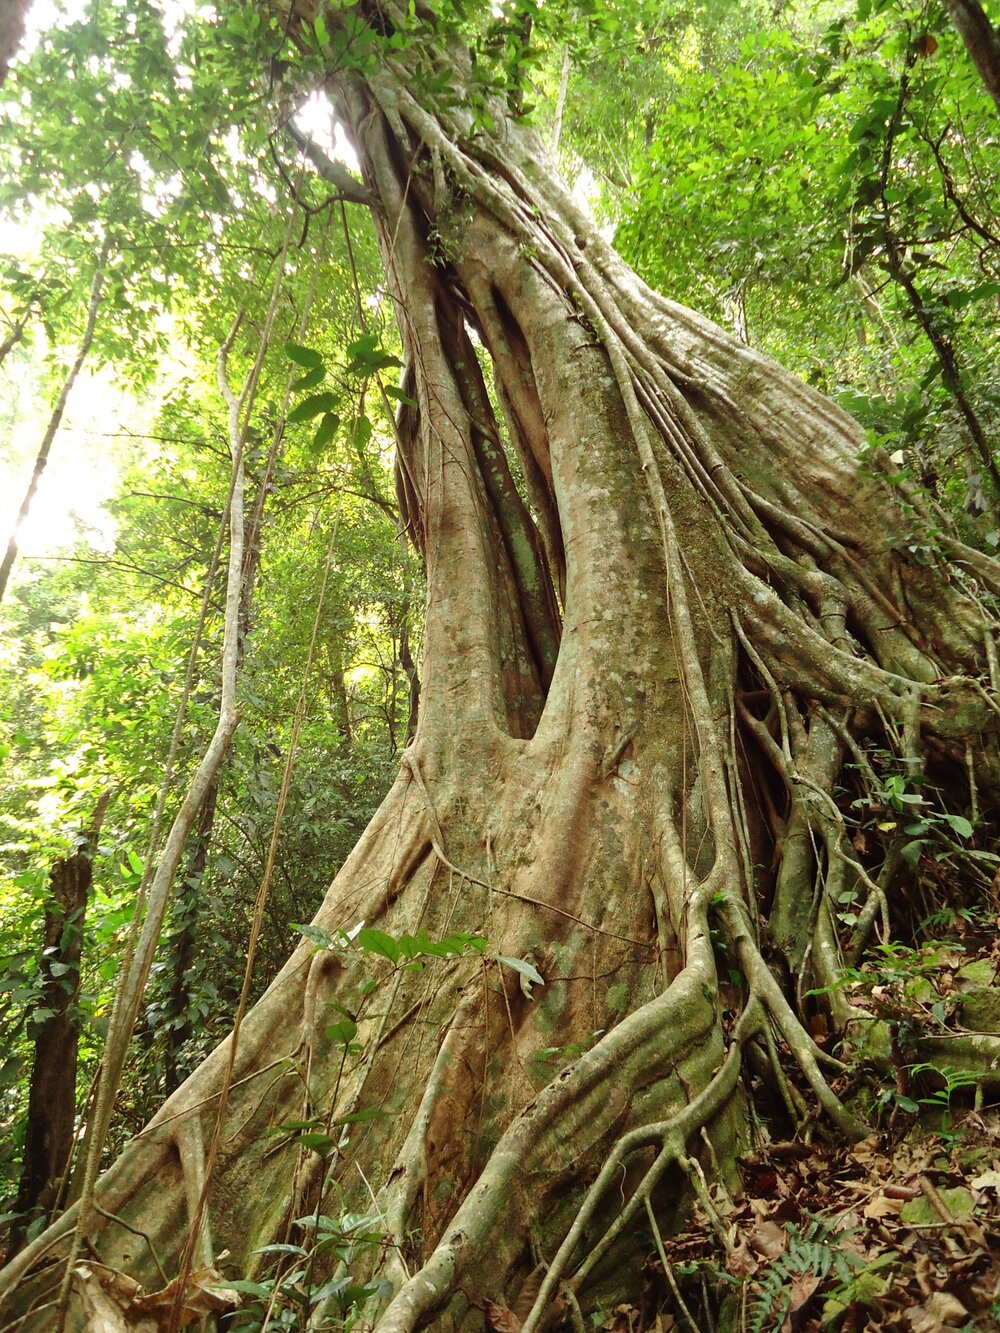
[{"x": 895, "y": 1234}]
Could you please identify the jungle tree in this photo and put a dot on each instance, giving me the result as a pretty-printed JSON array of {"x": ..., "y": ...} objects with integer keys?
[{"x": 676, "y": 637}]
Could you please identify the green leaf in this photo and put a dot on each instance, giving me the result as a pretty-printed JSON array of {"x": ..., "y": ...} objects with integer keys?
[
  {"x": 318, "y": 1221},
  {"x": 392, "y": 392},
  {"x": 960, "y": 825},
  {"x": 365, "y": 356},
  {"x": 362, "y": 1117},
  {"x": 310, "y": 379},
  {"x": 262, "y": 1290},
  {"x": 522, "y": 966},
  {"x": 958, "y": 299},
  {"x": 354, "y": 1296},
  {"x": 325, "y": 431},
  {"x": 317, "y": 934},
  {"x": 361, "y": 433},
  {"x": 313, "y": 406},
  {"x": 294, "y": 1126},
  {"x": 363, "y": 347},
  {"x": 10, "y": 1072},
  {"x": 321, "y": 1143},
  {"x": 343, "y": 1032},
  {"x": 377, "y": 941},
  {"x": 304, "y": 356}
]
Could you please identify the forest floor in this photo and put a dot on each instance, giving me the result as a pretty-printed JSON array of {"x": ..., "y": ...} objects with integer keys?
[
  {"x": 894, "y": 1233},
  {"x": 898, "y": 1233}
]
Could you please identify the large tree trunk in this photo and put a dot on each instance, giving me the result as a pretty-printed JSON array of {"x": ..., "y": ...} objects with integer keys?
[{"x": 639, "y": 686}]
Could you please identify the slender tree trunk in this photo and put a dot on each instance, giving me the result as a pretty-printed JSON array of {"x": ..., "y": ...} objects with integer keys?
[
  {"x": 641, "y": 682},
  {"x": 337, "y": 686},
  {"x": 183, "y": 940},
  {"x": 941, "y": 344},
  {"x": 981, "y": 41},
  {"x": 55, "y": 420},
  {"x": 12, "y": 18},
  {"x": 51, "y": 1128}
]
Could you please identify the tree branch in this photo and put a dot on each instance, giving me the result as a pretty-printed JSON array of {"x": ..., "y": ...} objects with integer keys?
[{"x": 348, "y": 189}]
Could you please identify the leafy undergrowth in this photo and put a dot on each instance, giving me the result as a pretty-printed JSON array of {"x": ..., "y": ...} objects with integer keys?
[{"x": 896, "y": 1234}]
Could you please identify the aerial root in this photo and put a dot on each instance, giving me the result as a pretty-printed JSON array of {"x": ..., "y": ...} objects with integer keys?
[
  {"x": 808, "y": 1055},
  {"x": 668, "y": 1269},
  {"x": 672, "y": 1136},
  {"x": 410, "y": 1166},
  {"x": 791, "y": 1097},
  {"x": 766, "y": 1004}
]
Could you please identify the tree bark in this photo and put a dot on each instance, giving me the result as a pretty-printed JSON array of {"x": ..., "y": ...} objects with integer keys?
[
  {"x": 51, "y": 1127},
  {"x": 412, "y": 673},
  {"x": 640, "y": 683},
  {"x": 981, "y": 41},
  {"x": 12, "y": 19}
]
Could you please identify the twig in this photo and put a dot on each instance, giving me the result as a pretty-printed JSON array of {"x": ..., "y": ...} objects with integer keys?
[{"x": 668, "y": 1268}]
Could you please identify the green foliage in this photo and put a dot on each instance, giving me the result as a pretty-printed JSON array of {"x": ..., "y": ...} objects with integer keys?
[
  {"x": 151, "y": 129},
  {"x": 812, "y": 1252},
  {"x": 293, "y": 1299},
  {"x": 829, "y": 194}
]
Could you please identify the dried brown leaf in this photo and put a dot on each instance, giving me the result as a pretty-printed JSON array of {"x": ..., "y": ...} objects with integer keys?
[
  {"x": 741, "y": 1262},
  {"x": 119, "y": 1285},
  {"x": 788, "y": 1150},
  {"x": 941, "y": 1311},
  {"x": 768, "y": 1239},
  {"x": 904, "y": 1192},
  {"x": 528, "y": 1294},
  {"x": 206, "y": 1293},
  {"x": 801, "y": 1290},
  {"x": 918, "y": 1320},
  {"x": 502, "y": 1318},
  {"x": 866, "y": 1150},
  {"x": 102, "y": 1312},
  {"x": 923, "y": 1272},
  {"x": 882, "y": 1205}
]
